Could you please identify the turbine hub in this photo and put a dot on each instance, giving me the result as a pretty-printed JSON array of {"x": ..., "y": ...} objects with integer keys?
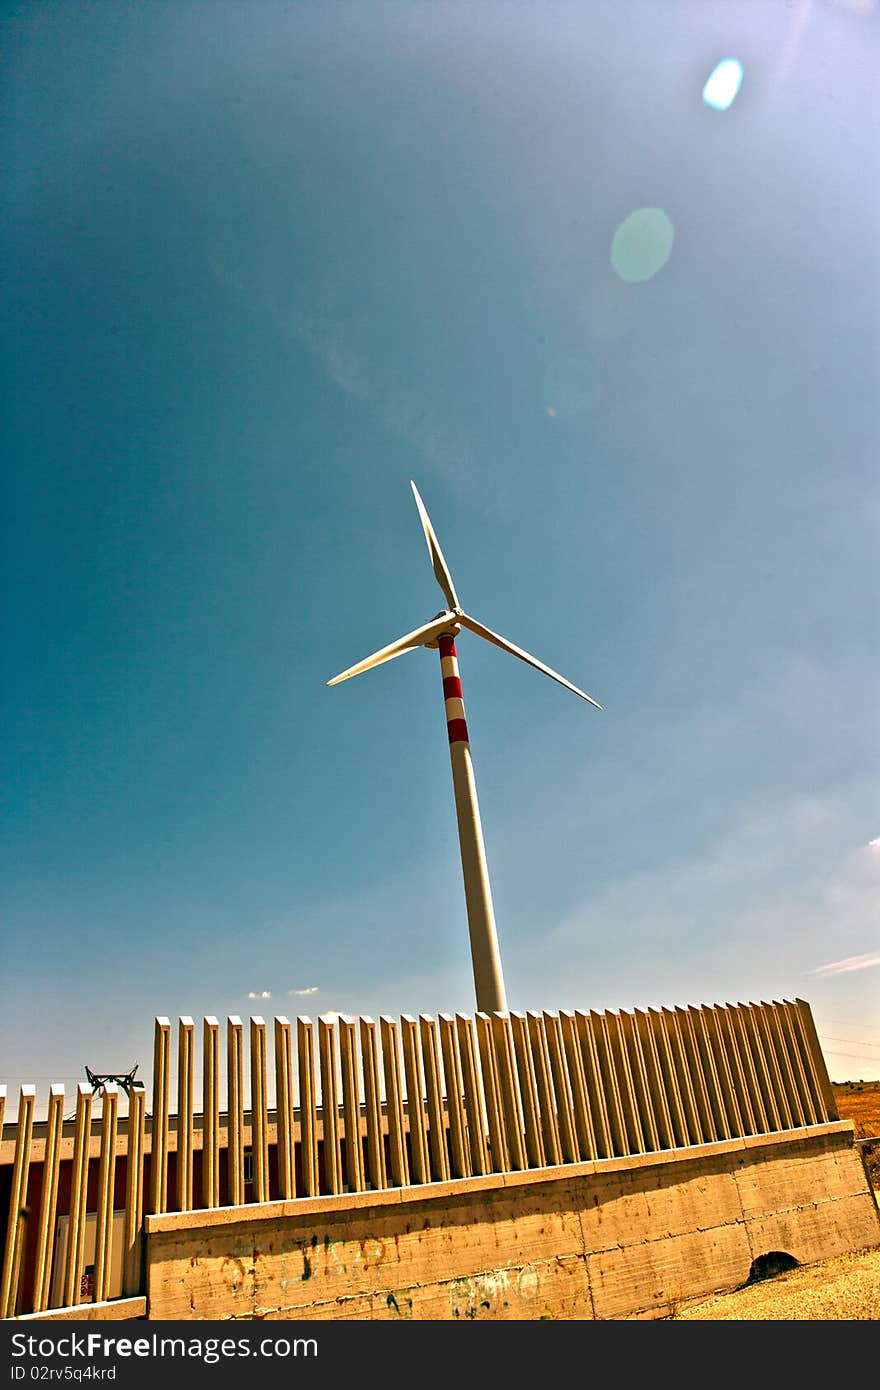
[{"x": 453, "y": 630}]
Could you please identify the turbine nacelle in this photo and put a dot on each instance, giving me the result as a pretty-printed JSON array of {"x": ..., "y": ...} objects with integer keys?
[
  {"x": 451, "y": 620},
  {"x": 453, "y": 629}
]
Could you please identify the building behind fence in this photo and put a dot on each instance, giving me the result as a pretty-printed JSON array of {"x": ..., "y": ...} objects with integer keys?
[{"x": 305, "y": 1109}]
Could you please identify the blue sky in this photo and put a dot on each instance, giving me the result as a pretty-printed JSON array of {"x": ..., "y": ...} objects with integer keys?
[{"x": 264, "y": 264}]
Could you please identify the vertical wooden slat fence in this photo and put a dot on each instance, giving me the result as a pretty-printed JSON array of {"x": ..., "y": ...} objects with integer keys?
[
  {"x": 78, "y": 1195},
  {"x": 593, "y": 1029},
  {"x": 498, "y": 1154},
  {"x": 16, "y": 1225},
  {"x": 548, "y": 1119},
  {"x": 398, "y": 1165},
  {"x": 259, "y": 1107},
  {"x": 473, "y": 1101},
  {"x": 751, "y": 1102},
  {"x": 159, "y": 1118},
  {"x": 415, "y": 1099},
  {"x": 185, "y": 1111},
  {"x": 568, "y": 1145},
  {"x": 694, "y": 1070},
  {"x": 376, "y": 1173},
  {"x": 801, "y": 1063},
  {"x": 285, "y": 1148},
  {"x": 643, "y": 1127},
  {"x": 235, "y": 1102},
  {"x": 351, "y": 1105},
  {"x": 459, "y": 1154},
  {"x": 579, "y": 1059},
  {"x": 769, "y": 1090},
  {"x": 408, "y": 1102},
  {"x": 308, "y": 1106},
  {"x": 657, "y": 1089},
  {"x": 48, "y": 1199},
  {"x": 528, "y": 1091},
  {"x": 211, "y": 1112},
  {"x": 824, "y": 1093},
  {"x": 106, "y": 1179},
  {"x": 434, "y": 1103},
  {"x": 737, "y": 1117},
  {"x": 329, "y": 1106},
  {"x": 675, "y": 1082},
  {"x": 132, "y": 1248},
  {"x": 505, "y": 1067}
]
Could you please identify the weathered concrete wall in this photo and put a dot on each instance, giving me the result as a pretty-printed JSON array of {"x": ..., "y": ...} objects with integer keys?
[
  {"x": 605, "y": 1239},
  {"x": 413, "y": 1102},
  {"x": 114, "y": 1310}
]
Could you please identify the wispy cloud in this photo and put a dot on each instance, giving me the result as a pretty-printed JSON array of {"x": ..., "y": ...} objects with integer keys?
[
  {"x": 750, "y": 909},
  {"x": 341, "y": 343},
  {"x": 301, "y": 993},
  {"x": 259, "y": 994},
  {"x": 843, "y": 967}
]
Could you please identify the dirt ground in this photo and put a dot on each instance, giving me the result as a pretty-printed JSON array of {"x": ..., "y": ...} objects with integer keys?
[{"x": 844, "y": 1289}]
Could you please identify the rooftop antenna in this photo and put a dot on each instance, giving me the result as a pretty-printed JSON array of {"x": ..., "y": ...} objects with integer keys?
[
  {"x": 98, "y": 1080},
  {"x": 440, "y": 633}
]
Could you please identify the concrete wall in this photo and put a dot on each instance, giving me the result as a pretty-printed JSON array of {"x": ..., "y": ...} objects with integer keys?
[
  {"x": 634, "y": 1236},
  {"x": 369, "y": 1116}
]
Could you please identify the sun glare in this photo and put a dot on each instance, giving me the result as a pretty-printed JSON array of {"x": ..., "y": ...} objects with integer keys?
[
  {"x": 642, "y": 244},
  {"x": 723, "y": 84}
]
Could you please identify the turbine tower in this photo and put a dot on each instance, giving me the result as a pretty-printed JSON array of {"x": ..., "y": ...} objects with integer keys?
[{"x": 440, "y": 633}]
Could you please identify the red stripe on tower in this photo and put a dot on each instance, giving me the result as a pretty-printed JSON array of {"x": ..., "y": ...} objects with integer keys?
[{"x": 456, "y": 724}]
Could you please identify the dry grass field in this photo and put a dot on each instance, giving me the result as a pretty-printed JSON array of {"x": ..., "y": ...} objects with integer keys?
[{"x": 859, "y": 1101}]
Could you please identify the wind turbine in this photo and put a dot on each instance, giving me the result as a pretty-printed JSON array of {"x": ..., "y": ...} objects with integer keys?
[{"x": 441, "y": 633}]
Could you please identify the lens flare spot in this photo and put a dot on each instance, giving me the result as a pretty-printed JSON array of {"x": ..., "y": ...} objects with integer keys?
[
  {"x": 723, "y": 84},
  {"x": 642, "y": 244}
]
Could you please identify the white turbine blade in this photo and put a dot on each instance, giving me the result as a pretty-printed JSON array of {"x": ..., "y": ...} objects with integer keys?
[
  {"x": 403, "y": 644},
  {"x": 506, "y": 646},
  {"x": 441, "y": 569}
]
